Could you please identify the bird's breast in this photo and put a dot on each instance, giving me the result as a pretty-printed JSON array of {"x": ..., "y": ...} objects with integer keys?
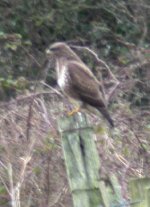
[
  {"x": 64, "y": 81},
  {"x": 63, "y": 77}
]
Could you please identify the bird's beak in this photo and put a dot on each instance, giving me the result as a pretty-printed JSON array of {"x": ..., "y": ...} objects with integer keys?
[{"x": 48, "y": 52}]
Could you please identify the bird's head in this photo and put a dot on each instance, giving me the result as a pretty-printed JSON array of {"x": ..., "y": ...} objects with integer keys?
[
  {"x": 58, "y": 49},
  {"x": 61, "y": 50}
]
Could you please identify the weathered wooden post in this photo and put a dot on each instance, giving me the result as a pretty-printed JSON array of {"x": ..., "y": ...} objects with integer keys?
[
  {"x": 140, "y": 192},
  {"x": 83, "y": 165},
  {"x": 82, "y": 161}
]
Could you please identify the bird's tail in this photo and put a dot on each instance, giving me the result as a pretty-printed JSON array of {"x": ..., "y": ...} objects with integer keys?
[{"x": 106, "y": 115}]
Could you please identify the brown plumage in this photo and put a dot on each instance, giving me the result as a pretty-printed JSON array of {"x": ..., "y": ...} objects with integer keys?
[{"x": 76, "y": 80}]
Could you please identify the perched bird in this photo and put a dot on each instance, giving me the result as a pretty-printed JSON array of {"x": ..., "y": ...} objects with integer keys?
[{"x": 76, "y": 80}]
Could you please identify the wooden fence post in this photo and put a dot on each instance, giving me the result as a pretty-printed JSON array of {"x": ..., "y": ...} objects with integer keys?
[
  {"x": 82, "y": 161},
  {"x": 83, "y": 166},
  {"x": 140, "y": 192}
]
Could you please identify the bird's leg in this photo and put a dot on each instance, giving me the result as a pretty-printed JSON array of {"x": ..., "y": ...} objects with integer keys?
[{"x": 74, "y": 111}]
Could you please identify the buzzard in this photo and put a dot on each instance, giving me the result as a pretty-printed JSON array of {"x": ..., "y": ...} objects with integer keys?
[{"x": 76, "y": 80}]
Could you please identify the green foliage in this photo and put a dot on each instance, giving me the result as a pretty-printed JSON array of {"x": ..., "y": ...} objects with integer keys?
[
  {"x": 139, "y": 191},
  {"x": 3, "y": 195},
  {"x": 49, "y": 144},
  {"x": 10, "y": 87},
  {"x": 37, "y": 170},
  {"x": 28, "y": 27}
]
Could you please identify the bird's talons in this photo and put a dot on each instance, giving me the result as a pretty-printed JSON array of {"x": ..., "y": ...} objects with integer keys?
[{"x": 74, "y": 111}]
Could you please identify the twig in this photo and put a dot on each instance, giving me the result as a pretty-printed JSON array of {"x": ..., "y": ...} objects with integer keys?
[
  {"x": 58, "y": 196},
  {"x": 53, "y": 89},
  {"x": 28, "y": 129},
  {"x": 140, "y": 143},
  {"x": 99, "y": 61},
  {"x": 32, "y": 57},
  {"x": 33, "y": 95},
  {"x": 28, "y": 97},
  {"x": 112, "y": 91}
]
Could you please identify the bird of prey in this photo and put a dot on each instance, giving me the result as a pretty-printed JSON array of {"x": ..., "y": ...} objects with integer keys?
[{"x": 76, "y": 80}]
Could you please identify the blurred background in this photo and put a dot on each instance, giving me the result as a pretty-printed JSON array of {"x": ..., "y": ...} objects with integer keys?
[{"x": 119, "y": 32}]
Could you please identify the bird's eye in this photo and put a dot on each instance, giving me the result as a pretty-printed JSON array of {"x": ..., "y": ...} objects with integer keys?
[{"x": 53, "y": 49}]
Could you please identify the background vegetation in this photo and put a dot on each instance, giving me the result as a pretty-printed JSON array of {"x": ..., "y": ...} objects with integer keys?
[{"x": 31, "y": 163}]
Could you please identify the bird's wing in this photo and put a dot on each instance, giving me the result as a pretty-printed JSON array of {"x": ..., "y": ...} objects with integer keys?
[{"x": 85, "y": 84}]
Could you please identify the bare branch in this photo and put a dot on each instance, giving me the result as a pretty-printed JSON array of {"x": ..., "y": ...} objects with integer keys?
[
  {"x": 32, "y": 95},
  {"x": 99, "y": 61},
  {"x": 52, "y": 89},
  {"x": 32, "y": 57}
]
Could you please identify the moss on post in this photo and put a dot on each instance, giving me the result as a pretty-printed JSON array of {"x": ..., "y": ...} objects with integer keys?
[
  {"x": 82, "y": 161},
  {"x": 139, "y": 189},
  {"x": 83, "y": 166}
]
